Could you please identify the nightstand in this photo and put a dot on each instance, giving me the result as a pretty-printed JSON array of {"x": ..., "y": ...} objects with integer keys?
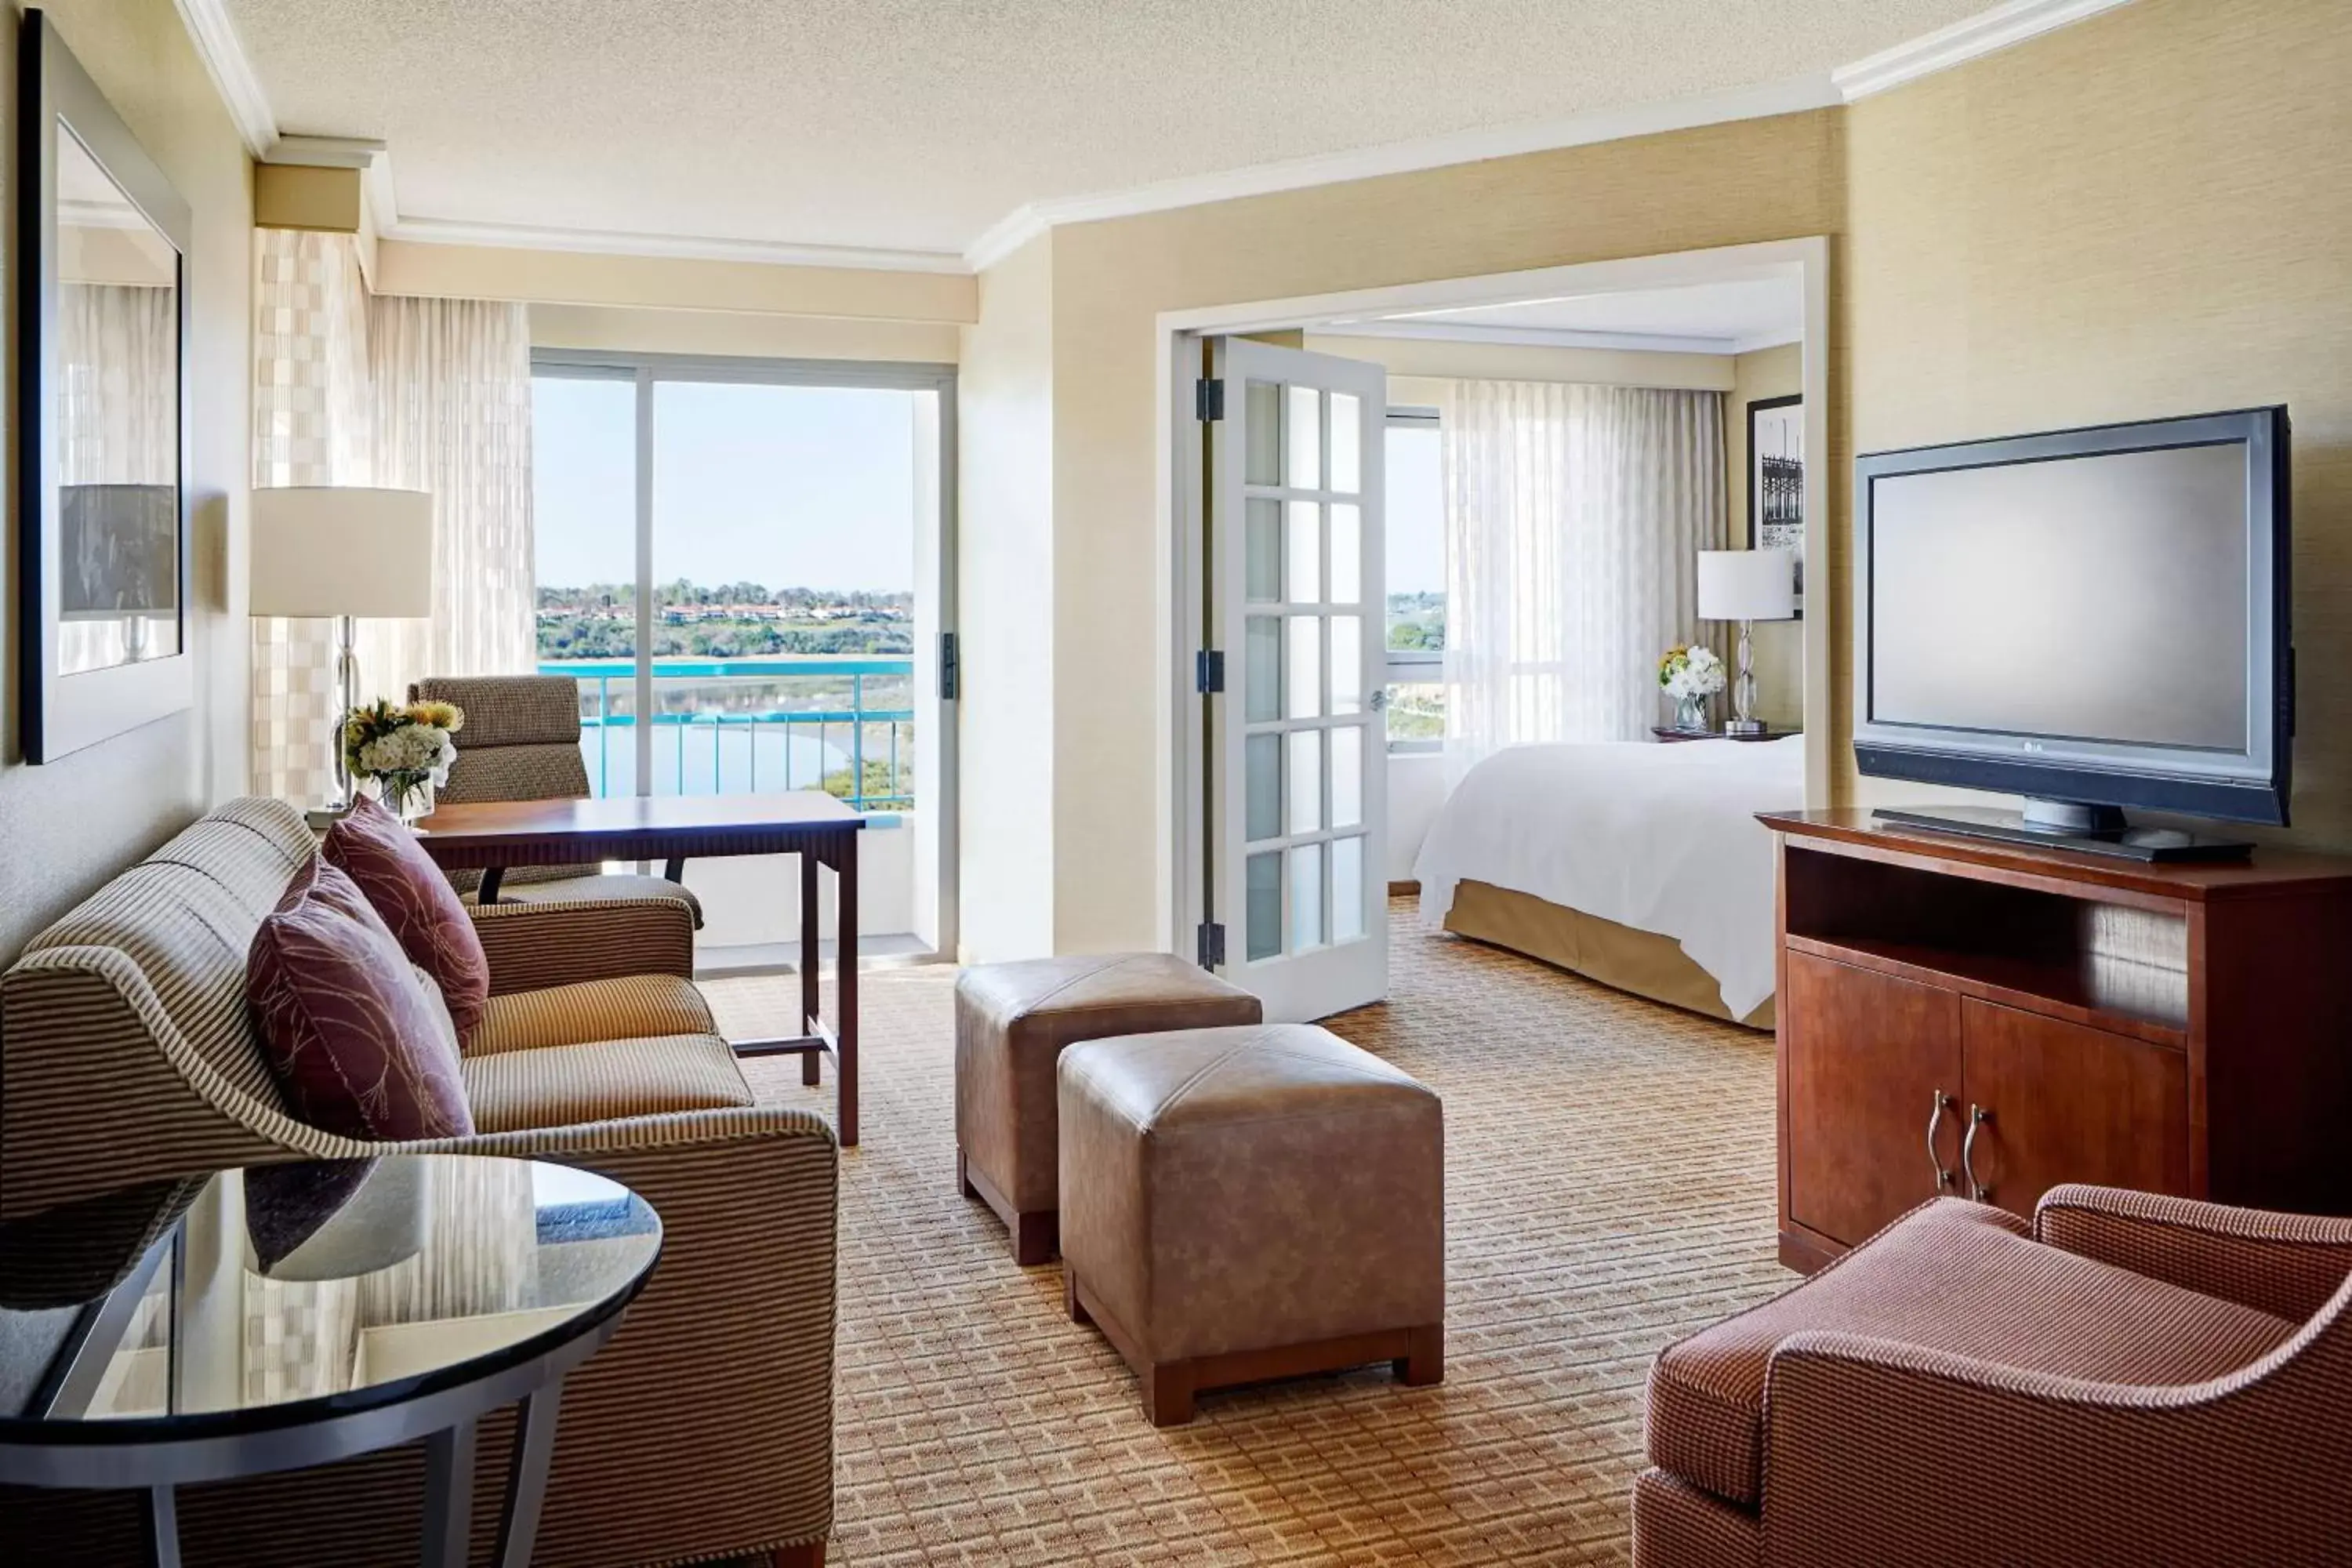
[{"x": 1668, "y": 732}]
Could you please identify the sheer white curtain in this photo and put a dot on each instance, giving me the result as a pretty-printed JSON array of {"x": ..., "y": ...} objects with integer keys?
[
  {"x": 312, "y": 425},
  {"x": 1573, "y": 519},
  {"x": 453, "y": 419},
  {"x": 430, "y": 395}
]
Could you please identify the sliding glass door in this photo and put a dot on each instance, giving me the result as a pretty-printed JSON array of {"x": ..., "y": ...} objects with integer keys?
[{"x": 745, "y": 565}]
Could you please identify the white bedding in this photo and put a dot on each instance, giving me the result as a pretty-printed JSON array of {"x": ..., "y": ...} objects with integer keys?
[{"x": 1663, "y": 838}]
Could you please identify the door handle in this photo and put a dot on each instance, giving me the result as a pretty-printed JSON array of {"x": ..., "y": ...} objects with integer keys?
[
  {"x": 1978, "y": 1116},
  {"x": 1934, "y": 1125}
]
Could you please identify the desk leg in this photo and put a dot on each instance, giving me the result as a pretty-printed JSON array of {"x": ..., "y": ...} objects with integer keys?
[
  {"x": 162, "y": 1528},
  {"x": 526, "y": 1479},
  {"x": 449, "y": 1497},
  {"x": 844, "y": 1001},
  {"x": 809, "y": 1063}
]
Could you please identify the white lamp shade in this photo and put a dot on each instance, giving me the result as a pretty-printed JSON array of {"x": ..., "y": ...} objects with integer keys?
[
  {"x": 1746, "y": 585},
  {"x": 341, "y": 550}
]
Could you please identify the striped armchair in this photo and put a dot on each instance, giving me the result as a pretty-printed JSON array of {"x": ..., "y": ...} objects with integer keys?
[
  {"x": 521, "y": 741},
  {"x": 2132, "y": 1379},
  {"x": 704, "y": 1431}
]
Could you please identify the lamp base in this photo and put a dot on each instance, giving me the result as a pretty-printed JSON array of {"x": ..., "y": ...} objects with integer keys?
[{"x": 1743, "y": 726}]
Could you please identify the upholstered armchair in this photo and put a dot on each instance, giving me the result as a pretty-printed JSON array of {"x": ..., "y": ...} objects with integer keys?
[
  {"x": 521, "y": 741},
  {"x": 2132, "y": 1379}
]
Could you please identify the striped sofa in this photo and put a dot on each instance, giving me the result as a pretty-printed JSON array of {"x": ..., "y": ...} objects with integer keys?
[{"x": 703, "y": 1432}]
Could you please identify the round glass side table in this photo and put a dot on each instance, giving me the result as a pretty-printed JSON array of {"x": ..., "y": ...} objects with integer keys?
[{"x": 283, "y": 1316}]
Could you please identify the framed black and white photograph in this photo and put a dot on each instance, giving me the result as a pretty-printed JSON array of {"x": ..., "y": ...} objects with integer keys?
[{"x": 1776, "y": 479}]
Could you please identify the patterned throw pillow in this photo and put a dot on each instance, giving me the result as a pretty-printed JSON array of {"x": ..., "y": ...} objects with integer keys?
[
  {"x": 350, "y": 1034},
  {"x": 381, "y": 855}
]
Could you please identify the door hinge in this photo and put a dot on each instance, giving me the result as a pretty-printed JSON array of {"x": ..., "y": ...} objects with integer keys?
[
  {"x": 1211, "y": 942},
  {"x": 1209, "y": 399},
  {"x": 950, "y": 668},
  {"x": 1208, "y": 672}
]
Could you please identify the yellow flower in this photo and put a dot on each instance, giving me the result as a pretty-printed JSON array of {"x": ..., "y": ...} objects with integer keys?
[{"x": 441, "y": 715}]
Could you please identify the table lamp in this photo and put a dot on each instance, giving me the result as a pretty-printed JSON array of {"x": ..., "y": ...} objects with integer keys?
[
  {"x": 343, "y": 552},
  {"x": 1747, "y": 586}
]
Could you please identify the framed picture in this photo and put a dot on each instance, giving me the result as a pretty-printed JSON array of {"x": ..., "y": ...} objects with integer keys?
[
  {"x": 102, "y": 306},
  {"x": 1776, "y": 479}
]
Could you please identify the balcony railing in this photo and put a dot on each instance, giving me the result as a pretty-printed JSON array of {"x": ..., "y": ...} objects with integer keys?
[{"x": 738, "y": 725}]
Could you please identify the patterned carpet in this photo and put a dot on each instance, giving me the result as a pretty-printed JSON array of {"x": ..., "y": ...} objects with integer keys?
[{"x": 1609, "y": 1187}]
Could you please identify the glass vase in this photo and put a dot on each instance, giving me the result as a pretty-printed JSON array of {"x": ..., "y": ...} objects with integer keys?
[
  {"x": 406, "y": 795},
  {"x": 1690, "y": 713}
]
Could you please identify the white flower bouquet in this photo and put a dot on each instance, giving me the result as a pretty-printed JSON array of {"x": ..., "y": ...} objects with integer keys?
[
  {"x": 405, "y": 748},
  {"x": 1690, "y": 675}
]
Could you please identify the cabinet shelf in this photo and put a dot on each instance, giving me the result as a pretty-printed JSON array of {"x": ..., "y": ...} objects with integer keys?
[{"x": 2141, "y": 1000}]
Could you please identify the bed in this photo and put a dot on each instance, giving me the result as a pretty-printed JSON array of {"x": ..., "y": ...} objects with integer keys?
[{"x": 1638, "y": 865}]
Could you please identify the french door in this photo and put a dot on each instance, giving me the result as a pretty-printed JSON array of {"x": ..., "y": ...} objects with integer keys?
[{"x": 1295, "y": 820}]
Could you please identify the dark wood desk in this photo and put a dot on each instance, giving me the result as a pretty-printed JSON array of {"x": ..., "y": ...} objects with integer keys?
[{"x": 490, "y": 836}]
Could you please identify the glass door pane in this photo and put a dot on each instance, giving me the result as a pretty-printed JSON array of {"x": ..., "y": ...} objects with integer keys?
[
  {"x": 784, "y": 558},
  {"x": 584, "y": 539}
]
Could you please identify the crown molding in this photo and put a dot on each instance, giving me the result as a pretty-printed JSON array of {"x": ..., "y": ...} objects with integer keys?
[
  {"x": 325, "y": 152},
  {"x": 1562, "y": 336},
  {"x": 685, "y": 248},
  {"x": 1762, "y": 100},
  {"x": 1534, "y": 337},
  {"x": 1755, "y": 341},
  {"x": 2012, "y": 22},
  {"x": 224, "y": 58}
]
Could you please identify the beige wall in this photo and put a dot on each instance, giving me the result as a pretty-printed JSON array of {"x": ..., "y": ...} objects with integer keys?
[
  {"x": 2146, "y": 214},
  {"x": 1780, "y": 645},
  {"x": 1716, "y": 186},
  {"x": 719, "y": 333},
  {"x": 1442, "y": 359},
  {"x": 1007, "y": 762},
  {"x": 67, "y": 825},
  {"x": 296, "y": 196}
]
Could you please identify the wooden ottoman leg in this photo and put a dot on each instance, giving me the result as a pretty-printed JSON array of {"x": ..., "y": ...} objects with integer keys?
[
  {"x": 1070, "y": 1302},
  {"x": 1424, "y": 1357},
  {"x": 1035, "y": 1238},
  {"x": 963, "y": 1176},
  {"x": 1167, "y": 1392}
]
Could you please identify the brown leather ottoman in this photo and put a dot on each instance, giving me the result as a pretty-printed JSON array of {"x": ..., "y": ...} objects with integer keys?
[
  {"x": 1244, "y": 1204},
  {"x": 1012, "y": 1022}
]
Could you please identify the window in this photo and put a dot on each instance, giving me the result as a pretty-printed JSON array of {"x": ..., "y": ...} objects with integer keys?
[
  {"x": 757, "y": 601},
  {"x": 1416, "y": 582}
]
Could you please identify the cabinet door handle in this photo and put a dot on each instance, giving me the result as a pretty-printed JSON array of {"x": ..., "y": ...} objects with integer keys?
[
  {"x": 1934, "y": 1125},
  {"x": 1978, "y": 1116}
]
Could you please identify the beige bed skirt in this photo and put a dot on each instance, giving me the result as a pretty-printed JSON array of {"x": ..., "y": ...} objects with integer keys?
[{"x": 1641, "y": 962}]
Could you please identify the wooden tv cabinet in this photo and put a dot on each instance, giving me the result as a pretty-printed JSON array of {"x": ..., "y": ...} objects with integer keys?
[{"x": 1986, "y": 1020}]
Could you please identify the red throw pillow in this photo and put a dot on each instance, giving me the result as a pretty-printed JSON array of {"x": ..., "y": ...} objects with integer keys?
[
  {"x": 405, "y": 887},
  {"x": 349, "y": 1029}
]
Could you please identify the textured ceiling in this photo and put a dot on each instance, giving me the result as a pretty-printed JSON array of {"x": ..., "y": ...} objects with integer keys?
[{"x": 917, "y": 123}]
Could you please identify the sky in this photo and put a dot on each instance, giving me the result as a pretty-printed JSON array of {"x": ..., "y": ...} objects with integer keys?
[
  {"x": 1416, "y": 514},
  {"x": 791, "y": 487},
  {"x": 798, "y": 487}
]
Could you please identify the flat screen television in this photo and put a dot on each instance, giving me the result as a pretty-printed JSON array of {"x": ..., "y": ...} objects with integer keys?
[{"x": 2095, "y": 619}]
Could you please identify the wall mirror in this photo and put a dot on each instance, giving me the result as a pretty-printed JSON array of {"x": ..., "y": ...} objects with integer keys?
[{"x": 102, "y": 307}]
